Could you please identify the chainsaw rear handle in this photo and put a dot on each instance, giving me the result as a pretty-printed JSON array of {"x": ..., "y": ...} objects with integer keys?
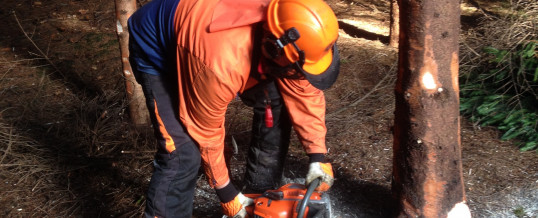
[{"x": 302, "y": 207}]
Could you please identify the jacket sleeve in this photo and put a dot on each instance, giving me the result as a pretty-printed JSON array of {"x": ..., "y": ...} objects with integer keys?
[{"x": 306, "y": 106}]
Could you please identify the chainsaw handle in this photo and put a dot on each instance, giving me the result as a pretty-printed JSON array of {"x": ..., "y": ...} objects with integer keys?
[{"x": 302, "y": 207}]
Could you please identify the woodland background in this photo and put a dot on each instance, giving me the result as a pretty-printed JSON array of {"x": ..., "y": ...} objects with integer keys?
[{"x": 67, "y": 148}]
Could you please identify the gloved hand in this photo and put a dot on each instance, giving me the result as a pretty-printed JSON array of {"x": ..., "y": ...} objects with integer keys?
[
  {"x": 236, "y": 207},
  {"x": 324, "y": 171}
]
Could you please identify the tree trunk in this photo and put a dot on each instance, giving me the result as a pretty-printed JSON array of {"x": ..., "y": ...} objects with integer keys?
[
  {"x": 394, "y": 23},
  {"x": 427, "y": 168},
  {"x": 137, "y": 103}
]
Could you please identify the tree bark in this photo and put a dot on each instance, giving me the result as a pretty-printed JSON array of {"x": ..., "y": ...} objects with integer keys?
[
  {"x": 137, "y": 103},
  {"x": 394, "y": 23},
  {"x": 427, "y": 168}
]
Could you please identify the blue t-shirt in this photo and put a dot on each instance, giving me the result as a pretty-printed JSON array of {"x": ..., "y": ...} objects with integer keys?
[{"x": 152, "y": 36}]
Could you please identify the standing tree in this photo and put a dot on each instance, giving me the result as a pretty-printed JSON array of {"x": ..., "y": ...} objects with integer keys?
[
  {"x": 135, "y": 96},
  {"x": 394, "y": 23},
  {"x": 427, "y": 168}
]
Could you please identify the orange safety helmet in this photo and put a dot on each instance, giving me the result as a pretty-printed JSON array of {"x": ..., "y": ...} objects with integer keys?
[{"x": 305, "y": 32}]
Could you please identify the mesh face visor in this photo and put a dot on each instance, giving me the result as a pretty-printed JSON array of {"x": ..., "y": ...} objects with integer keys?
[{"x": 326, "y": 79}]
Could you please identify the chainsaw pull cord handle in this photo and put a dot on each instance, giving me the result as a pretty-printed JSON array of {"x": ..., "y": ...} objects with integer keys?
[{"x": 302, "y": 207}]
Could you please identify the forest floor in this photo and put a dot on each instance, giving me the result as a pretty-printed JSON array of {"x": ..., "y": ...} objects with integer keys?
[{"x": 67, "y": 149}]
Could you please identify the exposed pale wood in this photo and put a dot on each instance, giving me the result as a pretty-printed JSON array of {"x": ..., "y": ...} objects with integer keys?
[{"x": 394, "y": 23}]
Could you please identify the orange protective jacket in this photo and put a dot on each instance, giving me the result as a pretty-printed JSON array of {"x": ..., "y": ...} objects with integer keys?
[{"x": 214, "y": 53}]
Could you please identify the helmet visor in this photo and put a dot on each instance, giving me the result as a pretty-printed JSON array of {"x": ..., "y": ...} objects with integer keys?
[{"x": 325, "y": 79}]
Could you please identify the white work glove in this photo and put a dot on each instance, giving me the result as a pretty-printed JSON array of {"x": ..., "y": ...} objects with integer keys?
[
  {"x": 236, "y": 207},
  {"x": 324, "y": 171}
]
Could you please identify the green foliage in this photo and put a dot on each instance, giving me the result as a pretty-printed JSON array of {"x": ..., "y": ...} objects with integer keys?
[
  {"x": 504, "y": 93},
  {"x": 519, "y": 212}
]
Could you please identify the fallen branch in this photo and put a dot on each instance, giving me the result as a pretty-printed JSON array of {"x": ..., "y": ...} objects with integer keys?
[
  {"x": 35, "y": 45},
  {"x": 9, "y": 143},
  {"x": 21, "y": 60},
  {"x": 356, "y": 102},
  {"x": 136, "y": 152}
]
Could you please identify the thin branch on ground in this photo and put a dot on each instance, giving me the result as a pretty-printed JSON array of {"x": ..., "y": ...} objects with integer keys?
[
  {"x": 21, "y": 60},
  {"x": 376, "y": 88},
  {"x": 9, "y": 143},
  {"x": 136, "y": 152},
  {"x": 35, "y": 45}
]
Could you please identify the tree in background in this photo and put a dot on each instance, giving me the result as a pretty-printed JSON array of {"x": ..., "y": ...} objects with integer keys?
[
  {"x": 137, "y": 103},
  {"x": 394, "y": 23}
]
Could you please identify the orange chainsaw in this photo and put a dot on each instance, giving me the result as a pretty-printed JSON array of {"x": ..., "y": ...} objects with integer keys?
[{"x": 290, "y": 201}]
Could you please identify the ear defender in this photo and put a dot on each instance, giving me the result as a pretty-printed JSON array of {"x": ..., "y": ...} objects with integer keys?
[{"x": 274, "y": 48}]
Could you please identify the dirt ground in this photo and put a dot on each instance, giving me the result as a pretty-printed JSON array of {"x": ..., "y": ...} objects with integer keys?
[{"x": 67, "y": 149}]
